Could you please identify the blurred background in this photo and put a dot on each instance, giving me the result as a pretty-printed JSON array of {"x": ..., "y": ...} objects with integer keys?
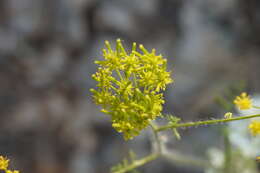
[{"x": 49, "y": 123}]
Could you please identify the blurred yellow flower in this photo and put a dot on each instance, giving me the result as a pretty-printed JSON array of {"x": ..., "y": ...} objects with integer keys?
[
  {"x": 9, "y": 171},
  {"x": 3, "y": 163},
  {"x": 254, "y": 127},
  {"x": 258, "y": 158},
  {"x": 243, "y": 101}
]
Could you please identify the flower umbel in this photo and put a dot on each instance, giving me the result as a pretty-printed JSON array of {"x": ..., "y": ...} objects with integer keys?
[
  {"x": 243, "y": 101},
  {"x": 129, "y": 87},
  {"x": 254, "y": 127}
]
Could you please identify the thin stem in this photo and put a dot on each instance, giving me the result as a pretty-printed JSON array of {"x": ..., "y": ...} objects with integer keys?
[
  {"x": 119, "y": 74},
  {"x": 135, "y": 80},
  {"x": 207, "y": 122},
  {"x": 147, "y": 159},
  {"x": 171, "y": 156},
  {"x": 114, "y": 88},
  {"x": 185, "y": 160},
  {"x": 138, "y": 163},
  {"x": 156, "y": 138},
  {"x": 228, "y": 151}
]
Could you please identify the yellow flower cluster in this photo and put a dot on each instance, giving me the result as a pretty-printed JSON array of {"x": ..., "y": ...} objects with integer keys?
[
  {"x": 4, "y": 162},
  {"x": 254, "y": 127},
  {"x": 129, "y": 87},
  {"x": 243, "y": 101}
]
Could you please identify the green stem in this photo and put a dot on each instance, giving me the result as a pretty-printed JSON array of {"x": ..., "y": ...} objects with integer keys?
[
  {"x": 119, "y": 74},
  {"x": 114, "y": 88},
  {"x": 147, "y": 159},
  {"x": 138, "y": 163},
  {"x": 207, "y": 122},
  {"x": 135, "y": 80},
  {"x": 156, "y": 138},
  {"x": 228, "y": 151}
]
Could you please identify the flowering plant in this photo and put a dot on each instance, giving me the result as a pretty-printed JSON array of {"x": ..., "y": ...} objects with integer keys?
[{"x": 129, "y": 89}]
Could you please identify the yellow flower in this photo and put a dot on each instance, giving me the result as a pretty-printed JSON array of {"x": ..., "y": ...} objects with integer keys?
[
  {"x": 243, "y": 101},
  {"x": 9, "y": 171},
  {"x": 254, "y": 127},
  {"x": 3, "y": 163},
  {"x": 258, "y": 158},
  {"x": 228, "y": 115},
  {"x": 129, "y": 87}
]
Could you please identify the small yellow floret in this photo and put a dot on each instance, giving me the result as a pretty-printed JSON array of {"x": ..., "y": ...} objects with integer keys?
[
  {"x": 228, "y": 115},
  {"x": 243, "y": 101},
  {"x": 3, "y": 163},
  {"x": 254, "y": 127}
]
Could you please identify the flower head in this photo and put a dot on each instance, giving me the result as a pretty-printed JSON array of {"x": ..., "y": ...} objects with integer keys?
[
  {"x": 254, "y": 127},
  {"x": 129, "y": 87},
  {"x": 3, "y": 163},
  {"x": 243, "y": 101}
]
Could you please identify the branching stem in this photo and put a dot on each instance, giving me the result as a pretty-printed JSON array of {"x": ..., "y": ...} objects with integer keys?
[
  {"x": 156, "y": 138},
  {"x": 158, "y": 152},
  {"x": 207, "y": 122},
  {"x": 138, "y": 163}
]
